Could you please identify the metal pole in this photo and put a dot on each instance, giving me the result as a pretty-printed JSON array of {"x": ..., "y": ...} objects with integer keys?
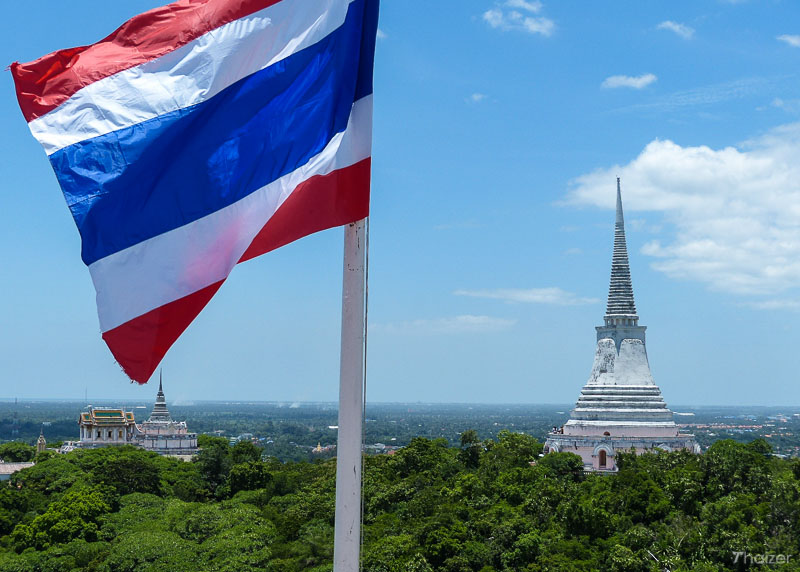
[{"x": 347, "y": 535}]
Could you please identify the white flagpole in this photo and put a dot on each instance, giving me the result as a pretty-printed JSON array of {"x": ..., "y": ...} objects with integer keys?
[{"x": 347, "y": 534}]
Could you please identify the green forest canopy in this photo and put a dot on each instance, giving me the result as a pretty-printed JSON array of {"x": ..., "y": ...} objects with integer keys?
[{"x": 485, "y": 506}]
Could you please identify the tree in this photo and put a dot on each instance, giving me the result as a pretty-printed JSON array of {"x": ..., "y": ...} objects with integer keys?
[
  {"x": 566, "y": 465},
  {"x": 183, "y": 480},
  {"x": 623, "y": 559},
  {"x": 213, "y": 460},
  {"x": 75, "y": 515},
  {"x": 511, "y": 450},
  {"x": 16, "y": 452},
  {"x": 154, "y": 551},
  {"x": 729, "y": 466},
  {"x": 54, "y": 475},
  {"x": 470, "y": 449},
  {"x": 249, "y": 477},
  {"x": 244, "y": 452},
  {"x": 129, "y": 470}
]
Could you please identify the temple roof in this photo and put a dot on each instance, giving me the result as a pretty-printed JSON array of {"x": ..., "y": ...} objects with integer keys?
[
  {"x": 105, "y": 416},
  {"x": 620, "y": 291}
]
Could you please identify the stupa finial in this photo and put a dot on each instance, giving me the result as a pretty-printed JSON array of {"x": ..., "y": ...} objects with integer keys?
[
  {"x": 160, "y": 411},
  {"x": 620, "y": 291}
]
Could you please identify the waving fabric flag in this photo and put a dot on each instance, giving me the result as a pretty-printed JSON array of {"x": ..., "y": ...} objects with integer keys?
[{"x": 199, "y": 135}]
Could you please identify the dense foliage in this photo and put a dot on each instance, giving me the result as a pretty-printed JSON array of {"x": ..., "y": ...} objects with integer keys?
[
  {"x": 16, "y": 452},
  {"x": 482, "y": 506}
]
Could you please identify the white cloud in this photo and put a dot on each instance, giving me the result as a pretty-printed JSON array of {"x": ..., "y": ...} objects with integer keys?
[
  {"x": 477, "y": 97},
  {"x": 520, "y": 15},
  {"x": 776, "y": 304},
  {"x": 733, "y": 214},
  {"x": 709, "y": 94},
  {"x": 534, "y": 7},
  {"x": 788, "y": 105},
  {"x": 465, "y": 324},
  {"x": 682, "y": 30},
  {"x": 642, "y": 225},
  {"x": 382, "y": 35},
  {"x": 792, "y": 40},
  {"x": 553, "y": 296},
  {"x": 636, "y": 82}
]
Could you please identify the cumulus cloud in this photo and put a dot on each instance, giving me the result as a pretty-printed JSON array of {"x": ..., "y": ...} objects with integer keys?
[
  {"x": 520, "y": 15},
  {"x": 554, "y": 296},
  {"x": 465, "y": 324},
  {"x": 636, "y": 82},
  {"x": 792, "y": 40},
  {"x": 732, "y": 215},
  {"x": 682, "y": 30}
]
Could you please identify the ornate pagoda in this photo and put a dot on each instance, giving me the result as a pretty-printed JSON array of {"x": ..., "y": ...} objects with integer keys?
[
  {"x": 160, "y": 433},
  {"x": 620, "y": 407}
]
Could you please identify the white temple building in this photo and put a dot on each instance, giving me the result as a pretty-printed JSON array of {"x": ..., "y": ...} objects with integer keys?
[
  {"x": 102, "y": 426},
  {"x": 163, "y": 435},
  {"x": 620, "y": 407}
]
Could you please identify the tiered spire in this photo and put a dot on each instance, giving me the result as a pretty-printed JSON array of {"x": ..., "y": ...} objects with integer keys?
[
  {"x": 620, "y": 291},
  {"x": 160, "y": 411}
]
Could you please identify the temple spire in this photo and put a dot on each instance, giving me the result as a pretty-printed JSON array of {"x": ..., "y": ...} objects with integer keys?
[
  {"x": 621, "y": 308},
  {"x": 160, "y": 411}
]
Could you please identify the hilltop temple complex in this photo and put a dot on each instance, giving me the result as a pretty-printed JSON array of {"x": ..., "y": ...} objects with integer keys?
[
  {"x": 620, "y": 407},
  {"x": 102, "y": 427}
]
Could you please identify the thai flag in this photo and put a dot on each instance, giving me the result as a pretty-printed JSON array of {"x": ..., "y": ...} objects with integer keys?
[{"x": 199, "y": 135}]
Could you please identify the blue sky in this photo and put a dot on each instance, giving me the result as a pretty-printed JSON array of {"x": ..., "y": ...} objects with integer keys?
[{"x": 500, "y": 126}]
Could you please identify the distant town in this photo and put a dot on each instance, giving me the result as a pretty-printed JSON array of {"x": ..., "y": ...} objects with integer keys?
[{"x": 307, "y": 431}]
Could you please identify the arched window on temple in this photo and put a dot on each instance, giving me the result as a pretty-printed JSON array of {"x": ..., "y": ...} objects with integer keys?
[{"x": 603, "y": 459}]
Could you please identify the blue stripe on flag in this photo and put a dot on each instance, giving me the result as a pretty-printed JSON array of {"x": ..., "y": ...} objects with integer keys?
[
  {"x": 141, "y": 181},
  {"x": 368, "y": 39}
]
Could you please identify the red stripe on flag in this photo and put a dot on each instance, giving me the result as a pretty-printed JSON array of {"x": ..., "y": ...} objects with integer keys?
[
  {"x": 139, "y": 345},
  {"x": 321, "y": 202},
  {"x": 47, "y": 82}
]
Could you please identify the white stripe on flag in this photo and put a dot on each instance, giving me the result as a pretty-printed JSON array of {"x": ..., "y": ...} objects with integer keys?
[
  {"x": 131, "y": 282},
  {"x": 190, "y": 74}
]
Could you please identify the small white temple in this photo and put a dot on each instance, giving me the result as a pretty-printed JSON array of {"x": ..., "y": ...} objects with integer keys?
[
  {"x": 101, "y": 426},
  {"x": 620, "y": 407}
]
